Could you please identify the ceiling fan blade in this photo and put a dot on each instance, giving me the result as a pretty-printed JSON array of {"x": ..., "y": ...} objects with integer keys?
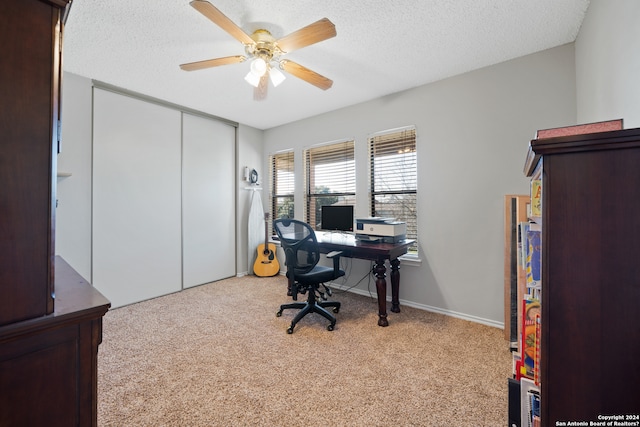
[
  {"x": 218, "y": 18},
  {"x": 312, "y": 33},
  {"x": 260, "y": 91},
  {"x": 199, "y": 65},
  {"x": 306, "y": 74}
]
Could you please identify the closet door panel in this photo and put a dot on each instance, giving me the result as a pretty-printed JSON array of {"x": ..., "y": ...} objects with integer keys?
[
  {"x": 136, "y": 198},
  {"x": 208, "y": 197}
]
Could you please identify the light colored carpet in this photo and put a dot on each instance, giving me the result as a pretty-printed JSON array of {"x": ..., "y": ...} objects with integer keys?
[{"x": 216, "y": 355}]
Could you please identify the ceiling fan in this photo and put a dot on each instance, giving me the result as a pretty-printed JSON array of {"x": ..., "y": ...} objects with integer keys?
[{"x": 265, "y": 52}]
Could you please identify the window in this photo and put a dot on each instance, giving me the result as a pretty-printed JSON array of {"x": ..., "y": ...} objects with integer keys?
[
  {"x": 393, "y": 176},
  {"x": 282, "y": 185},
  {"x": 330, "y": 178}
]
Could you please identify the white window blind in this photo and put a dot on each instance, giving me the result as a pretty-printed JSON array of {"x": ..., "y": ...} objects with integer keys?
[
  {"x": 330, "y": 178},
  {"x": 393, "y": 176},
  {"x": 282, "y": 185}
]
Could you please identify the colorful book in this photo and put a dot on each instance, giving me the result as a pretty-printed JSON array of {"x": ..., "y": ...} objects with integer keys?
[
  {"x": 536, "y": 197},
  {"x": 536, "y": 361},
  {"x": 530, "y": 311},
  {"x": 529, "y": 402},
  {"x": 534, "y": 258},
  {"x": 534, "y": 408}
]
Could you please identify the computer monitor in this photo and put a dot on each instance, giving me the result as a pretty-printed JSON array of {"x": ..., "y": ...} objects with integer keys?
[{"x": 337, "y": 217}]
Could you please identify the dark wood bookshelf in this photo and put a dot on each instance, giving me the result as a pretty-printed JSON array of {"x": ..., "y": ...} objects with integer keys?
[
  {"x": 50, "y": 318},
  {"x": 590, "y": 336}
]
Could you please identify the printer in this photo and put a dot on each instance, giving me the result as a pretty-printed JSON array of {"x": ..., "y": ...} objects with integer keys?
[{"x": 377, "y": 229}]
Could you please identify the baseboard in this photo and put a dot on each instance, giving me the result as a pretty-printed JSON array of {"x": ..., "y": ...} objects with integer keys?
[
  {"x": 246, "y": 273},
  {"x": 451, "y": 313}
]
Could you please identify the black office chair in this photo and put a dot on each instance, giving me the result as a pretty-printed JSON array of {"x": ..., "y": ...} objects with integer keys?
[{"x": 302, "y": 254}]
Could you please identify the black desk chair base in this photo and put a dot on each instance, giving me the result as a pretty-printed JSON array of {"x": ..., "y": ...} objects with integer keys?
[{"x": 311, "y": 306}]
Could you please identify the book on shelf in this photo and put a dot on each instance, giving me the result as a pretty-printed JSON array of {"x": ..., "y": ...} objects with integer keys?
[
  {"x": 515, "y": 365},
  {"x": 530, "y": 329},
  {"x": 536, "y": 198},
  {"x": 529, "y": 403},
  {"x": 534, "y": 260},
  {"x": 534, "y": 407},
  {"x": 536, "y": 359}
]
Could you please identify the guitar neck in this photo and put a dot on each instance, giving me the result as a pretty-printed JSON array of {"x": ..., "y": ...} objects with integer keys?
[{"x": 266, "y": 233}]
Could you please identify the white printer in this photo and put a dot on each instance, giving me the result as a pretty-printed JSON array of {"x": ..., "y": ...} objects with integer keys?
[{"x": 377, "y": 229}]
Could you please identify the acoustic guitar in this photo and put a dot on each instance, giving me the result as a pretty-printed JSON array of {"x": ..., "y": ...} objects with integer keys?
[{"x": 266, "y": 264}]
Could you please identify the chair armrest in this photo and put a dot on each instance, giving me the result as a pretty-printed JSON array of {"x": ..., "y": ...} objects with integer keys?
[{"x": 335, "y": 255}]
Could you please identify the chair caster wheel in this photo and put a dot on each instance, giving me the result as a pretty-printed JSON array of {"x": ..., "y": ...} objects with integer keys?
[
  {"x": 336, "y": 310},
  {"x": 279, "y": 313},
  {"x": 290, "y": 330},
  {"x": 330, "y": 328}
]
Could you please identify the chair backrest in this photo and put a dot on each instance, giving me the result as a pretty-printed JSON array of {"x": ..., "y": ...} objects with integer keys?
[{"x": 299, "y": 243}]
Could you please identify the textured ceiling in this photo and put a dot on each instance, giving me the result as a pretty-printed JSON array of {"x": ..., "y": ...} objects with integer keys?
[{"x": 382, "y": 47}]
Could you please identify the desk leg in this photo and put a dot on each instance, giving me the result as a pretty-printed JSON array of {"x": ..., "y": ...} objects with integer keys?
[
  {"x": 381, "y": 287},
  {"x": 395, "y": 285}
]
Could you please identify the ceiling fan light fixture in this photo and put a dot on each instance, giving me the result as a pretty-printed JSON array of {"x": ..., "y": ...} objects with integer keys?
[
  {"x": 276, "y": 76},
  {"x": 264, "y": 50},
  {"x": 258, "y": 67},
  {"x": 252, "y": 79}
]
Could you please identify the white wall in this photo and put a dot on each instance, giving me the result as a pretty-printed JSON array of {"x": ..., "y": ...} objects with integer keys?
[
  {"x": 73, "y": 215},
  {"x": 250, "y": 154},
  {"x": 608, "y": 63},
  {"x": 473, "y": 132}
]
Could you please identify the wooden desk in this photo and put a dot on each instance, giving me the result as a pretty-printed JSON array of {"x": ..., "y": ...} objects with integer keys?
[{"x": 377, "y": 252}]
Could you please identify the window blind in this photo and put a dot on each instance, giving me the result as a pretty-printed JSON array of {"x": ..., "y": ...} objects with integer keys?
[
  {"x": 330, "y": 178},
  {"x": 282, "y": 185},
  {"x": 393, "y": 178}
]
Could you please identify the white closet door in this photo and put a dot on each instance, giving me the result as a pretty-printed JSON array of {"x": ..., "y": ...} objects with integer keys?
[
  {"x": 136, "y": 198},
  {"x": 208, "y": 200}
]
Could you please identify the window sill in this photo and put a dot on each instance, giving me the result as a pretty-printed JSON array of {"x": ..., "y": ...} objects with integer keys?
[{"x": 410, "y": 259}]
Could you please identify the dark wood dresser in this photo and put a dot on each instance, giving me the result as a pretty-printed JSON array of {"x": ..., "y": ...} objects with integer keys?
[{"x": 48, "y": 364}]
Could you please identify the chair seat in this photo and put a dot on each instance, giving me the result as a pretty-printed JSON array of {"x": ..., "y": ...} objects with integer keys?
[{"x": 319, "y": 274}]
